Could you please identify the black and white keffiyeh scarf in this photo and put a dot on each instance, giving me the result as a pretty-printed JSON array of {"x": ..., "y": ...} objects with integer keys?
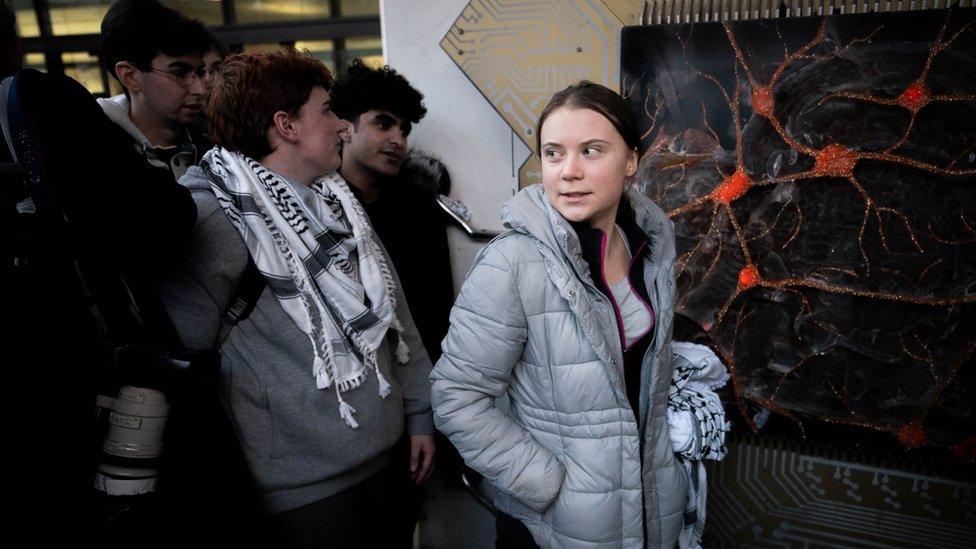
[
  {"x": 322, "y": 264},
  {"x": 693, "y": 405},
  {"x": 697, "y": 426}
]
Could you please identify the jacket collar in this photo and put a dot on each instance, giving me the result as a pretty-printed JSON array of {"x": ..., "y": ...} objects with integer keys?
[
  {"x": 591, "y": 239},
  {"x": 530, "y": 212},
  {"x": 117, "y": 110}
]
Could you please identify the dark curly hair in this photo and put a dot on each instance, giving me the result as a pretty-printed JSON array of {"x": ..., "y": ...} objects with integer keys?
[
  {"x": 251, "y": 88},
  {"x": 363, "y": 88}
]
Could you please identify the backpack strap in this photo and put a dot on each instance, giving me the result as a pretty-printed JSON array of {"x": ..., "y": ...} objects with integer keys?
[{"x": 243, "y": 301}]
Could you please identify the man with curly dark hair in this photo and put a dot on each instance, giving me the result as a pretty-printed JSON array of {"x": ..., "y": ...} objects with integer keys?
[
  {"x": 382, "y": 107},
  {"x": 398, "y": 190}
]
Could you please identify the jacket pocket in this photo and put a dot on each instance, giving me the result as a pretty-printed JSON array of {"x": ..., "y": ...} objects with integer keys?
[
  {"x": 247, "y": 400},
  {"x": 673, "y": 490},
  {"x": 291, "y": 417}
]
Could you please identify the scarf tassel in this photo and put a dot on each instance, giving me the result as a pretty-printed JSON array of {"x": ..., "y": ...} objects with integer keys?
[
  {"x": 402, "y": 351},
  {"x": 352, "y": 383},
  {"x": 321, "y": 371},
  {"x": 346, "y": 411},
  {"x": 371, "y": 363},
  {"x": 385, "y": 388}
]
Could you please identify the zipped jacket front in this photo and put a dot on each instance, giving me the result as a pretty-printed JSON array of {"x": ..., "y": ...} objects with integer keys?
[{"x": 569, "y": 458}]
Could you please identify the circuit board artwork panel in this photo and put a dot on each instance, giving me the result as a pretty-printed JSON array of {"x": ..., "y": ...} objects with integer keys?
[{"x": 821, "y": 175}]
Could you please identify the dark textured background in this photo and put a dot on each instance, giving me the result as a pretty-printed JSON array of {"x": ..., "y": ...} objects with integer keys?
[{"x": 896, "y": 367}]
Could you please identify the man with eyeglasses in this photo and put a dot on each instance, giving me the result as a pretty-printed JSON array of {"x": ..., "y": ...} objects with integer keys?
[
  {"x": 211, "y": 66},
  {"x": 157, "y": 54}
]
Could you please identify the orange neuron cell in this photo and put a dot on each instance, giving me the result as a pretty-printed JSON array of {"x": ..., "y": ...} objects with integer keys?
[
  {"x": 732, "y": 187},
  {"x": 748, "y": 277},
  {"x": 762, "y": 101},
  {"x": 915, "y": 96},
  {"x": 835, "y": 160},
  {"x": 911, "y": 435}
]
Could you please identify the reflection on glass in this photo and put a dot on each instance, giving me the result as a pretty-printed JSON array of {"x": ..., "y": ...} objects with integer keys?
[
  {"x": 26, "y": 18},
  {"x": 84, "y": 68},
  {"x": 320, "y": 49},
  {"x": 262, "y": 11},
  {"x": 369, "y": 49},
  {"x": 35, "y": 61},
  {"x": 85, "y": 16},
  {"x": 77, "y": 17},
  {"x": 359, "y": 7},
  {"x": 207, "y": 11}
]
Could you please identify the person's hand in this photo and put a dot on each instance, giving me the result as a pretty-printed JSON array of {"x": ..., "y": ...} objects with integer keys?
[{"x": 421, "y": 457}]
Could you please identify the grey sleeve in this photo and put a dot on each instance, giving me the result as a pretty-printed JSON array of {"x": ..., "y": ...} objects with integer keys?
[
  {"x": 196, "y": 294},
  {"x": 413, "y": 376},
  {"x": 486, "y": 338}
]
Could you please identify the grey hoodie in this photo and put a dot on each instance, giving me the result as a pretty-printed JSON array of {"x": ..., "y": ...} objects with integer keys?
[
  {"x": 296, "y": 445},
  {"x": 175, "y": 159}
]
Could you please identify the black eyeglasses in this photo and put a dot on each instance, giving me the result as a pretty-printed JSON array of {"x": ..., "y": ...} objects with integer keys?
[{"x": 184, "y": 76}]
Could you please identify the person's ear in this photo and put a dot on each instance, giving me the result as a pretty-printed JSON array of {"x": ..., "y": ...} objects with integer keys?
[
  {"x": 284, "y": 126},
  {"x": 128, "y": 75},
  {"x": 632, "y": 163}
]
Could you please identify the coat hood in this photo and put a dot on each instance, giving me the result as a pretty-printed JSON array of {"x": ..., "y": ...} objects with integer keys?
[
  {"x": 530, "y": 212},
  {"x": 117, "y": 110},
  {"x": 196, "y": 179}
]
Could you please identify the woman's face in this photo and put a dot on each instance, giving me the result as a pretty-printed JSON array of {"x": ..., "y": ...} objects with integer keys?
[{"x": 585, "y": 164}]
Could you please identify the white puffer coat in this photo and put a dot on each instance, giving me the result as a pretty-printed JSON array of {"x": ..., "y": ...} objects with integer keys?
[{"x": 566, "y": 457}]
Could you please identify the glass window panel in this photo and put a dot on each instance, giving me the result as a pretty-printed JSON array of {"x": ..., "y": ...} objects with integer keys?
[
  {"x": 26, "y": 18},
  {"x": 85, "y": 16},
  {"x": 261, "y": 11},
  {"x": 359, "y": 7},
  {"x": 84, "y": 68},
  {"x": 207, "y": 11},
  {"x": 369, "y": 49},
  {"x": 77, "y": 16},
  {"x": 320, "y": 49},
  {"x": 35, "y": 61}
]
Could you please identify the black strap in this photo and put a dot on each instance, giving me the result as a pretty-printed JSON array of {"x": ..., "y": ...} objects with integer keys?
[{"x": 244, "y": 299}]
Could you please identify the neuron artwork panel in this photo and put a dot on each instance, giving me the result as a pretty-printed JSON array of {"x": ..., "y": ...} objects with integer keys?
[{"x": 821, "y": 175}]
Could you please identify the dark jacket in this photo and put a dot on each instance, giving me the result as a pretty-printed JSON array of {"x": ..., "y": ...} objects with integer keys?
[{"x": 412, "y": 227}]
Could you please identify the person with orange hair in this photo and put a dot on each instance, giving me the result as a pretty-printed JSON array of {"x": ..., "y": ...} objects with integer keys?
[{"x": 327, "y": 370}]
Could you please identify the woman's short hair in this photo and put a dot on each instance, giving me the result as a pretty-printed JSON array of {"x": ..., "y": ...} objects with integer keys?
[
  {"x": 589, "y": 95},
  {"x": 251, "y": 88}
]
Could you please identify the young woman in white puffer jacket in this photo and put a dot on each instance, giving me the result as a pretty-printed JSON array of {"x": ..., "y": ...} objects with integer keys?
[{"x": 569, "y": 314}]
